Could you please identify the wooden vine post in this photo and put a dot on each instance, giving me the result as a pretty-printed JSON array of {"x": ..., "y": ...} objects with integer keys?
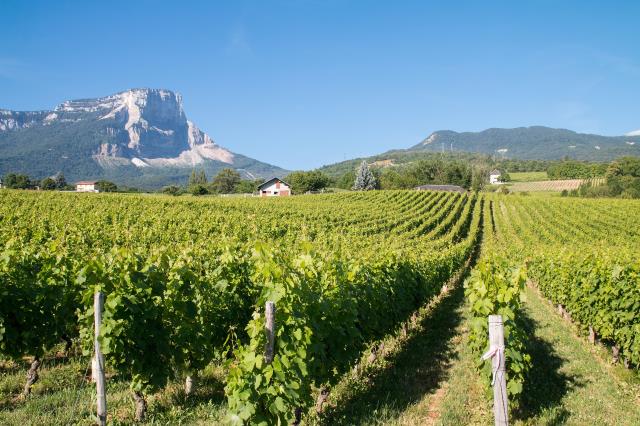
[
  {"x": 496, "y": 343},
  {"x": 270, "y": 328},
  {"x": 101, "y": 395}
]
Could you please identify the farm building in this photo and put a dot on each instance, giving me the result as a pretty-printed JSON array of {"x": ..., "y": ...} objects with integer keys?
[
  {"x": 449, "y": 188},
  {"x": 1, "y": 184},
  {"x": 274, "y": 187},
  {"x": 494, "y": 177},
  {"x": 86, "y": 186}
]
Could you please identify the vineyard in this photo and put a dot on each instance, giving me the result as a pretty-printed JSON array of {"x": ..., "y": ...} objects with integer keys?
[
  {"x": 553, "y": 185},
  {"x": 186, "y": 282}
]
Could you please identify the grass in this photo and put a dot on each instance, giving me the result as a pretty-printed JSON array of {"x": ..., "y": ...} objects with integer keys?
[
  {"x": 528, "y": 176},
  {"x": 426, "y": 376},
  {"x": 404, "y": 388},
  {"x": 64, "y": 396},
  {"x": 572, "y": 382}
]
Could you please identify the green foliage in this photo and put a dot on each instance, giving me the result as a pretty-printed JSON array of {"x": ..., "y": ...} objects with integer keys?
[
  {"x": 17, "y": 181},
  {"x": 302, "y": 182},
  {"x": 174, "y": 190},
  {"x": 106, "y": 186},
  {"x": 198, "y": 190},
  {"x": 247, "y": 186},
  {"x": 198, "y": 177},
  {"x": 599, "y": 290},
  {"x": 575, "y": 170},
  {"x": 346, "y": 180},
  {"x": 180, "y": 293},
  {"x": 38, "y": 299},
  {"x": 226, "y": 181},
  {"x": 48, "y": 184},
  {"x": 622, "y": 180},
  {"x": 496, "y": 288},
  {"x": 504, "y": 176}
]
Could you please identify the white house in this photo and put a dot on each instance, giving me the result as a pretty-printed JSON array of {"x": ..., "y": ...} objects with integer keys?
[
  {"x": 494, "y": 177},
  {"x": 1, "y": 184},
  {"x": 86, "y": 186},
  {"x": 274, "y": 187}
]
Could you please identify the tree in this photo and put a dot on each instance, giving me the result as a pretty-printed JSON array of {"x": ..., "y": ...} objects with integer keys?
[
  {"x": 60, "y": 180},
  {"x": 106, "y": 186},
  {"x": 365, "y": 180},
  {"x": 226, "y": 181},
  {"x": 479, "y": 178},
  {"x": 302, "y": 182},
  {"x": 504, "y": 177},
  {"x": 48, "y": 184},
  {"x": 198, "y": 177},
  {"x": 391, "y": 178},
  {"x": 198, "y": 190},
  {"x": 17, "y": 181},
  {"x": 345, "y": 181},
  {"x": 247, "y": 186},
  {"x": 172, "y": 190}
]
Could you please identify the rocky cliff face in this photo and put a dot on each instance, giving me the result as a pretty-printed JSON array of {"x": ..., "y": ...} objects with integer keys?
[{"x": 142, "y": 129}]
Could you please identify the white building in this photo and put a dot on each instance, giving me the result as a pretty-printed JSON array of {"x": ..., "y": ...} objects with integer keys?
[
  {"x": 274, "y": 187},
  {"x": 86, "y": 186},
  {"x": 494, "y": 177},
  {"x": 1, "y": 184}
]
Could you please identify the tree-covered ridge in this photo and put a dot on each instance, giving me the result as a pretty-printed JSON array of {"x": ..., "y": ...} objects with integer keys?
[{"x": 535, "y": 142}]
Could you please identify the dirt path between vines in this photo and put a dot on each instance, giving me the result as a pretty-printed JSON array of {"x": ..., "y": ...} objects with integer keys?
[{"x": 408, "y": 386}]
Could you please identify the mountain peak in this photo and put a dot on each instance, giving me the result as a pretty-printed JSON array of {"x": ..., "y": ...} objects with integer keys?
[{"x": 140, "y": 128}]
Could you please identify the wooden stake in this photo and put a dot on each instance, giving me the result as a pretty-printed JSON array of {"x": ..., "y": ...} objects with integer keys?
[
  {"x": 188, "y": 385},
  {"x": 101, "y": 395},
  {"x": 592, "y": 335},
  {"x": 270, "y": 326},
  {"x": 616, "y": 354},
  {"x": 496, "y": 340},
  {"x": 322, "y": 397}
]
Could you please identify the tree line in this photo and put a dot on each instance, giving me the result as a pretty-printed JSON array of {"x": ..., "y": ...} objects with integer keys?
[{"x": 622, "y": 180}]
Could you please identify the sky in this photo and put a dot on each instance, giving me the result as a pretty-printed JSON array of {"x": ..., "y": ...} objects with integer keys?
[{"x": 300, "y": 84}]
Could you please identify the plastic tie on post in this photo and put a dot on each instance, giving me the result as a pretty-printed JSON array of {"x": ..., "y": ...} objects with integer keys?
[{"x": 492, "y": 352}]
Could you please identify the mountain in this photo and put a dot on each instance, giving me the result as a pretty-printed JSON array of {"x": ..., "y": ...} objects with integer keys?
[
  {"x": 533, "y": 143},
  {"x": 525, "y": 143},
  {"x": 139, "y": 137}
]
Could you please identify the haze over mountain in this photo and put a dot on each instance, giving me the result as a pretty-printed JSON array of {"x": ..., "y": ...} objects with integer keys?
[{"x": 137, "y": 137}]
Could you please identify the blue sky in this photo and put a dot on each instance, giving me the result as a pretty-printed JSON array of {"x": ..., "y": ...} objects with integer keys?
[{"x": 306, "y": 83}]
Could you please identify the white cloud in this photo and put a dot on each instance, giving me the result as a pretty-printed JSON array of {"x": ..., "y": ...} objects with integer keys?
[{"x": 634, "y": 133}]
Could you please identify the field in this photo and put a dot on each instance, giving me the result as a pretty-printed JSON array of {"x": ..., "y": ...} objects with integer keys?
[
  {"x": 372, "y": 321},
  {"x": 552, "y": 185},
  {"x": 528, "y": 176}
]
